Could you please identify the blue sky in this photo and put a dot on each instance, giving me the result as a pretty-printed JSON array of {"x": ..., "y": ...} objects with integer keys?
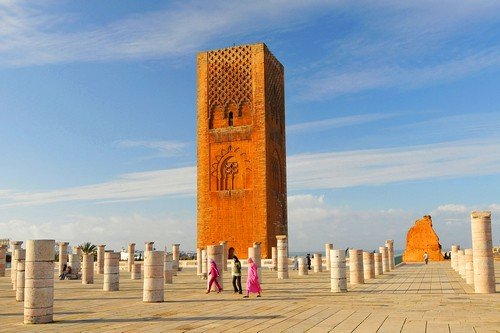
[{"x": 392, "y": 113}]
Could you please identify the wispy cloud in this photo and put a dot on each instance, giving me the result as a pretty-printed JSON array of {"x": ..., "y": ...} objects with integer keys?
[
  {"x": 381, "y": 166},
  {"x": 305, "y": 172},
  {"x": 162, "y": 148},
  {"x": 32, "y": 36},
  {"x": 131, "y": 186},
  {"x": 405, "y": 45},
  {"x": 328, "y": 84},
  {"x": 326, "y": 124},
  {"x": 452, "y": 208}
]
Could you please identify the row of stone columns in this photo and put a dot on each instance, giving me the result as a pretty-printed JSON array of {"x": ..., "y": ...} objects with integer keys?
[
  {"x": 33, "y": 270},
  {"x": 3, "y": 261},
  {"x": 476, "y": 265},
  {"x": 362, "y": 265}
]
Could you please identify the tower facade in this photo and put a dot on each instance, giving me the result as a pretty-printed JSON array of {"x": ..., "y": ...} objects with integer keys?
[{"x": 241, "y": 149}]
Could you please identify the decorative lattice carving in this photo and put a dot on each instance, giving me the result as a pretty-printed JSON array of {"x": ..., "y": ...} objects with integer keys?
[
  {"x": 275, "y": 97},
  {"x": 230, "y": 76}
]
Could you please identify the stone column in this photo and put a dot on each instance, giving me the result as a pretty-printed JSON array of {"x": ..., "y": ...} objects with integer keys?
[
  {"x": 390, "y": 246},
  {"x": 274, "y": 258},
  {"x": 136, "y": 272},
  {"x": 100, "y": 259},
  {"x": 175, "y": 258},
  {"x": 282, "y": 256},
  {"x": 469, "y": 267},
  {"x": 454, "y": 257},
  {"x": 338, "y": 280},
  {"x": 74, "y": 263},
  {"x": 318, "y": 263},
  {"x": 328, "y": 248},
  {"x": 39, "y": 282},
  {"x": 198, "y": 262},
  {"x": 215, "y": 252},
  {"x": 368, "y": 265},
  {"x": 63, "y": 256},
  {"x": 254, "y": 252},
  {"x": 131, "y": 256},
  {"x": 461, "y": 263},
  {"x": 356, "y": 267},
  {"x": 88, "y": 269},
  {"x": 204, "y": 269},
  {"x": 15, "y": 245},
  {"x": 168, "y": 268},
  {"x": 77, "y": 249},
  {"x": 302, "y": 266},
  {"x": 385, "y": 258},
  {"x": 148, "y": 246},
  {"x": 482, "y": 249},
  {"x": 378, "y": 264},
  {"x": 20, "y": 274},
  {"x": 154, "y": 288},
  {"x": 111, "y": 271},
  {"x": 224, "y": 252},
  {"x": 3, "y": 261}
]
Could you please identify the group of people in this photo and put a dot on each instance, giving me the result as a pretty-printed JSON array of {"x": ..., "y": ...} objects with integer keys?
[
  {"x": 252, "y": 285},
  {"x": 66, "y": 270}
]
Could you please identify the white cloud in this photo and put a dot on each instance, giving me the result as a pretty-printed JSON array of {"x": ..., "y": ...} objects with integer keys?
[
  {"x": 131, "y": 186},
  {"x": 31, "y": 36},
  {"x": 333, "y": 83},
  {"x": 452, "y": 208},
  {"x": 115, "y": 231},
  {"x": 305, "y": 172},
  {"x": 326, "y": 124},
  {"x": 313, "y": 223},
  {"x": 382, "y": 166},
  {"x": 163, "y": 148}
]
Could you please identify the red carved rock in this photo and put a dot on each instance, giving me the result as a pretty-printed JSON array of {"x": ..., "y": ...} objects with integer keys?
[{"x": 422, "y": 238}]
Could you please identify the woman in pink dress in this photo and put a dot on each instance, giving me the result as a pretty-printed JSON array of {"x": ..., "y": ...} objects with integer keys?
[
  {"x": 214, "y": 274},
  {"x": 253, "y": 285}
]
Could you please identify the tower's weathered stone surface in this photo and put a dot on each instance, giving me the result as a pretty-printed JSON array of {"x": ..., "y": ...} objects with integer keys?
[
  {"x": 241, "y": 148},
  {"x": 422, "y": 238}
]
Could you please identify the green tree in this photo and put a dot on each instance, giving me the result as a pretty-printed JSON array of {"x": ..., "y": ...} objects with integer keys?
[{"x": 88, "y": 248}]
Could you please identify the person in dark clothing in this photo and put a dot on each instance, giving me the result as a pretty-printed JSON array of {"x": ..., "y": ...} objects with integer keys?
[
  {"x": 237, "y": 275},
  {"x": 308, "y": 258}
]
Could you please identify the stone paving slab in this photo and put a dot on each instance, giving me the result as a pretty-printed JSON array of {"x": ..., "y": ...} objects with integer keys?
[{"x": 413, "y": 298}]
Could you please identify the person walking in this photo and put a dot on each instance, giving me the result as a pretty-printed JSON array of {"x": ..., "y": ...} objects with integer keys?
[
  {"x": 426, "y": 257},
  {"x": 253, "y": 285},
  {"x": 214, "y": 274},
  {"x": 308, "y": 258},
  {"x": 237, "y": 275}
]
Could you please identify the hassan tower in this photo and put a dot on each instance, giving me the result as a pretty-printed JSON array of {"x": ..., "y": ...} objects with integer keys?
[{"x": 241, "y": 149}]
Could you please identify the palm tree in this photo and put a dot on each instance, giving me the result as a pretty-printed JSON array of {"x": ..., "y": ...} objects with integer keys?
[{"x": 88, "y": 248}]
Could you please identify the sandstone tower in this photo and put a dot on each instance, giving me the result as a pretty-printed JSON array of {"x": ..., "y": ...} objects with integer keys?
[{"x": 241, "y": 148}]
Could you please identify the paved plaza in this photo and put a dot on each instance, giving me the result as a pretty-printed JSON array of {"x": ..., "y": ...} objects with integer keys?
[{"x": 413, "y": 298}]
